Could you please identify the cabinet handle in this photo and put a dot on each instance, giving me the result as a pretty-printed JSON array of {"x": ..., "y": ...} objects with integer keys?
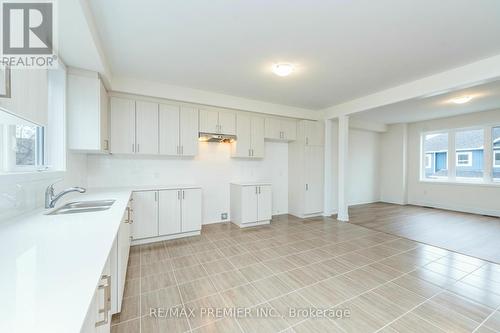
[
  {"x": 107, "y": 300},
  {"x": 259, "y": 189},
  {"x": 252, "y": 152},
  {"x": 307, "y": 187},
  {"x": 182, "y": 150},
  {"x": 183, "y": 195},
  {"x": 307, "y": 140},
  {"x": 178, "y": 195},
  {"x": 138, "y": 148},
  {"x": 156, "y": 196},
  {"x": 133, "y": 148},
  {"x": 256, "y": 190}
]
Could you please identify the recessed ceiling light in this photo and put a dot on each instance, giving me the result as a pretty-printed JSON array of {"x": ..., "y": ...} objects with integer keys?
[
  {"x": 283, "y": 69},
  {"x": 461, "y": 100}
]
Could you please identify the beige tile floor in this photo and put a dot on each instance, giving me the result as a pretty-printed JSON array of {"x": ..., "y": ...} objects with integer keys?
[{"x": 380, "y": 282}]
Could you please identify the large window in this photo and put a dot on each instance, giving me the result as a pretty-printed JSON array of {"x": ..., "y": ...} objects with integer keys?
[
  {"x": 435, "y": 155},
  {"x": 496, "y": 153},
  {"x": 468, "y": 161},
  {"x": 469, "y": 148}
]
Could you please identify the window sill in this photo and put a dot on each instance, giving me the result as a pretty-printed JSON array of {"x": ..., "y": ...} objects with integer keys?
[
  {"x": 460, "y": 183},
  {"x": 28, "y": 176}
]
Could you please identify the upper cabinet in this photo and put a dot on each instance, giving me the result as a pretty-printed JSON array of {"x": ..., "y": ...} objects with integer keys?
[
  {"x": 217, "y": 121},
  {"x": 311, "y": 133},
  {"x": 28, "y": 95},
  {"x": 122, "y": 126},
  {"x": 280, "y": 129},
  {"x": 146, "y": 128},
  {"x": 88, "y": 112},
  {"x": 250, "y": 136},
  {"x": 178, "y": 130}
]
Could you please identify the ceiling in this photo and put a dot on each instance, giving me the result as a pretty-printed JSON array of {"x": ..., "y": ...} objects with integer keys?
[
  {"x": 342, "y": 49},
  {"x": 484, "y": 97}
]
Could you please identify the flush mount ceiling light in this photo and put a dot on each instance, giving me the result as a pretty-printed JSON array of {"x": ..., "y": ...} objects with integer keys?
[
  {"x": 461, "y": 100},
  {"x": 283, "y": 69}
]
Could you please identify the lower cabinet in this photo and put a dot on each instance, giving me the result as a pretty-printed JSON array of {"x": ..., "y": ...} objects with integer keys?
[
  {"x": 166, "y": 213},
  {"x": 251, "y": 204},
  {"x": 120, "y": 261}
]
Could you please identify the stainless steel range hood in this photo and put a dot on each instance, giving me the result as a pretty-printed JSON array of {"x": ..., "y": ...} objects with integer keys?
[{"x": 214, "y": 137}]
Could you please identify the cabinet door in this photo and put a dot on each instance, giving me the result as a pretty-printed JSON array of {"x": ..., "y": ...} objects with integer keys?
[
  {"x": 249, "y": 198},
  {"x": 227, "y": 122},
  {"x": 313, "y": 159},
  {"x": 314, "y": 133},
  {"x": 242, "y": 146},
  {"x": 169, "y": 130},
  {"x": 145, "y": 206},
  {"x": 122, "y": 126},
  {"x": 191, "y": 210},
  {"x": 123, "y": 249},
  {"x": 146, "y": 128},
  {"x": 257, "y": 137},
  {"x": 209, "y": 121},
  {"x": 264, "y": 204},
  {"x": 169, "y": 212},
  {"x": 104, "y": 117},
  {"x": 273, "y": 128},
  {"x": 289, "y": 129},
  {"x": 189, "y": 131}
]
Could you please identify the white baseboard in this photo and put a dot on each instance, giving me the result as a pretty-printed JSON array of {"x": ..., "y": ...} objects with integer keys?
[
  {"x": 461, "y": 208},
  {"x": 251, "y": 224},
  {"x": 166, "y": 237}
]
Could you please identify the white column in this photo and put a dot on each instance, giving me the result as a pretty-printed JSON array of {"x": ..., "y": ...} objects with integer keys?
[
  {"x": 328, "y": 179},
  {"x": 343, "y": 208}
]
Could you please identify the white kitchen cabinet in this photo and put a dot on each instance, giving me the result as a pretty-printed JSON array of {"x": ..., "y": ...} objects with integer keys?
[
  {"x": 88, "y": 112},
  {"x": 179, "y": 211},
  {"x": 145, "y": 206},
  {"x": 98, "y": 318},
  {"x": 178, "y": 130},
  {"x": 169, "y": 212},
  {"x": 251, "y": 204},
  {"x": 306, "y": 170},
  {"x": 28, "y": 95},
  {"x": 217, "y": 121},
  {"x": 122, "y": 126},
  {"x": 312, "y": 133},
  {"x": 119, "y": 255},
  {"x": 250, "y": 137},
  {"x": 146, "y": 128},
  {"x": 280, "y": 129}
]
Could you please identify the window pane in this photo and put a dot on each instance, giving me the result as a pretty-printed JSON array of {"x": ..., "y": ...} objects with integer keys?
[
  {"x": 25, "y": 145},
  {"x": 496, "y": 153},
  {"x": 436, "y": 150},
  {"x": 469, "y": 147}
]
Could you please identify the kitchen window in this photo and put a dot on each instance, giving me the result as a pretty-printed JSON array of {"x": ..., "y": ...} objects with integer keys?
[
  {"x": 495, "y": 136},
  {"x": 435, "y": 148}
]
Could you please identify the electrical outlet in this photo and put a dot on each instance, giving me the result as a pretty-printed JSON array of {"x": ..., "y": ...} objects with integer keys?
[{"x": 223, "y": 216}]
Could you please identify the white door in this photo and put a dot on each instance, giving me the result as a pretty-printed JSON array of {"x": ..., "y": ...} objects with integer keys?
[
  {"x": 191, "y": 210},
  {"x": 314, "y": 179},
  {"x": 227, "y": 122},
  {"x": 169, "y": 212},
  {"x": 189, "y": 131},
  {"x": 123, "y": 250},
  {"x": 257, "y": 137},
  {"x": 122, "y": 126},
  {"x": 209, "y": 121},
  {"x": 169, "y": 129},
  {"x": 289, "y": 129},
  {"x": 249, "y": 195},
  {"x": 145, "y": 207},
  {"x": 265, "y": 203},
  {"x": 273, "y": 128},
  {"x": 146, "y": 128},
  {"x": 242, "y": 146}
]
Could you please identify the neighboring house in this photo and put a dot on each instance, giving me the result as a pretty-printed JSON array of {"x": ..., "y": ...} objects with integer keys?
[{"x": 469, "y": 155}]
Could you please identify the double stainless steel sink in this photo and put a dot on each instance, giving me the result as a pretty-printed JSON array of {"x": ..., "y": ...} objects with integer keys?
[{"x": 83, "y": 207}]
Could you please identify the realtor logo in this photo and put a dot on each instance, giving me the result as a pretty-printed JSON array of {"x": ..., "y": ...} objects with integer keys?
[{"x": 28, "y": 34}]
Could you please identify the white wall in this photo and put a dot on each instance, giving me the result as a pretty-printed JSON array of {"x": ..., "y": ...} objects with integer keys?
[
  {"x": 469, "y": 198},
  {"x": 363, "y": 172},
  {"x": 393, "y": 167},
  {"x": 213, "y": 169}
]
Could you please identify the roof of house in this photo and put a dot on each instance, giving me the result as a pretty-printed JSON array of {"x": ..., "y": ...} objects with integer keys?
[{"x": 466, "y": 140}]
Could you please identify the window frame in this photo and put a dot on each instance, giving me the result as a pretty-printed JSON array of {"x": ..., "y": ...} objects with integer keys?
[
  {"x": 469, "y": 158},
  {"x": 488, "y": 157},
  {"x": 495, "y": 152}
]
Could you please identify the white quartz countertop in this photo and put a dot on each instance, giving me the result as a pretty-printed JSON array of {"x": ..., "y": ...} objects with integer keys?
[
  {"x": 148, "y": 188},
  {"x": 51, "y": 264},
  {"x": 251, "y": 183}
]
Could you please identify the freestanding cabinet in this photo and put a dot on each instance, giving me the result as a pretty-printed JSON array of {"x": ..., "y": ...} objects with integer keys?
[
  {"x": 306, "y": 169},
  {"x": 251, "y": 204}
]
